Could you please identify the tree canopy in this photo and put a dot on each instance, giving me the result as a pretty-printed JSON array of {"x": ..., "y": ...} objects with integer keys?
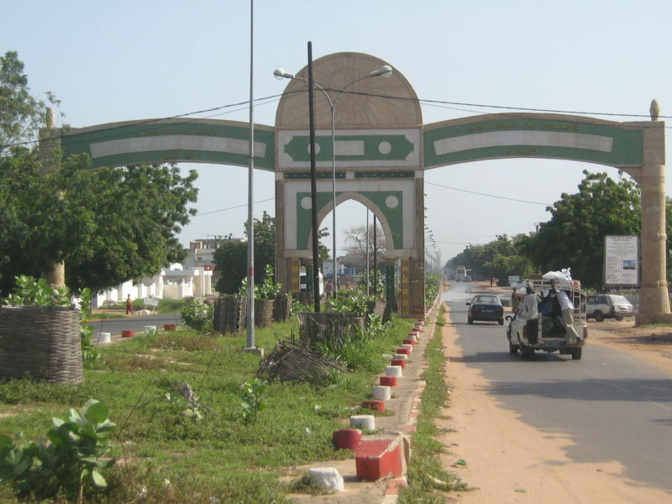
[
  {"x": 499, "y": 258},
  {"x": 231, "y": 256},
  {"x": 21, "y": 114},
  {"x": 574, "y": 237},
  {"x": 108, "y": 225}
]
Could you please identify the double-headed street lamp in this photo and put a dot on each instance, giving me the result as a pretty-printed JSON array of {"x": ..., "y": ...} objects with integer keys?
[{"x": 384, "y": 71}]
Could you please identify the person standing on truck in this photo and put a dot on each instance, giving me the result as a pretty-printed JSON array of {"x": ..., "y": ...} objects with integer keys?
[
  {"x": 531, "y": 314},
  {"x": 567, "y": 310},
  {"x": 514, "y": 301}
]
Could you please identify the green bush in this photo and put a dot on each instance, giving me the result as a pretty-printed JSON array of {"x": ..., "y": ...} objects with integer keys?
[
  {"x": 198, "y": 315},
  {"x": 67, "y": 461}
]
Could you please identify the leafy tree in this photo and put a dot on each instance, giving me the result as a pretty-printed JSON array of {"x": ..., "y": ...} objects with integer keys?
[
  {"x": 108, "y": 226},
  {"x": 231, "y": 264},
  {"x": 231, "y": 256},
  {"x": 28, "y": 220},
  {"x": 20, "y": 113},
  {"x": 574, "y": 237},
  {"x": 123, "y": 223}
]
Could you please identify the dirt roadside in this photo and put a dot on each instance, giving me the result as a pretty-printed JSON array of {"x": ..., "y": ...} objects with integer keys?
[{"x": 488, "y": 437}]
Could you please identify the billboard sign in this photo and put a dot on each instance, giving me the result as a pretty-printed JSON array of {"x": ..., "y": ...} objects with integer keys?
[{"x": 621, "y": 260}]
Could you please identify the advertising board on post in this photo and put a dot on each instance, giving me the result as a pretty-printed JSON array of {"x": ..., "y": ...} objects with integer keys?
[{"x": 621, "y": 260}]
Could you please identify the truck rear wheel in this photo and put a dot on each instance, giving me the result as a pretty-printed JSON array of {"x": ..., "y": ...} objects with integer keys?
[
  {"x": 513, "y": 349},
  {"x": 525, "y": 351},
  {"x": 576, "y": 353}
]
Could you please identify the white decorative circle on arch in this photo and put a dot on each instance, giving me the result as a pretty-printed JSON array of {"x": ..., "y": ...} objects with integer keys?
[
  {"x": 384, "y": 147},
  {"x": 306, "y": 203},
  {"x": 391, "y": 201}
]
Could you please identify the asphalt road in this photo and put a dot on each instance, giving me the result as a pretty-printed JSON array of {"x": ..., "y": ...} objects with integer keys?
[
  {"x": 611, "y": 404},
  {"x": 134, "y": 323}
]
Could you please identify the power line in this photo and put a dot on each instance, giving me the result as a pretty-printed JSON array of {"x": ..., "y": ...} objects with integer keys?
[
  {"x": 231, "y": 208},
  {"x": 488, "y": 195},
  {"x": 429, "y": 102}
]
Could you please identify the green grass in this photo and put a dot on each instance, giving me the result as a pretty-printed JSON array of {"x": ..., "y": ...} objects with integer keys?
[
  {"x": 426, "y": 477},
  {"x": 219, "y": 456}
]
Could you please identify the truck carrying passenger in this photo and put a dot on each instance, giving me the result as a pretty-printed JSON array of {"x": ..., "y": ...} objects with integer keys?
[{"x": 551, "y": 318}]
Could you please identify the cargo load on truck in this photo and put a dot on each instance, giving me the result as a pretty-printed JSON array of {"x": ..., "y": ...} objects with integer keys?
[{"x": 550, "y": 318}]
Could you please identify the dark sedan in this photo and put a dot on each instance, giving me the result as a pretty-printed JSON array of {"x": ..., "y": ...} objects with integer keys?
[{"x": 486, "y": 308}]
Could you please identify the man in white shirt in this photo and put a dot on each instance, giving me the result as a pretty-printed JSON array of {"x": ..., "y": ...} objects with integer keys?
[{"x": 531, "y": 314}]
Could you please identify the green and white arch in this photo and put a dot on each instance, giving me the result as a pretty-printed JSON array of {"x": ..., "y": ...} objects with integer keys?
[
  {"x": 170, "y": 140},
  {"x": 638, "y": 148},
  {"x": 382, "y": 149}
]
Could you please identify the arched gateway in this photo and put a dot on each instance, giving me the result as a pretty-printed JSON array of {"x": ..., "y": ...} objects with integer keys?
[{"x": 382, "y": 149}]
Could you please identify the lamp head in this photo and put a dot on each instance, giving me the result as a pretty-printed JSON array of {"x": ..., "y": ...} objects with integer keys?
[
  {"x": 280, "y": 74},
  {"x": 385, "y": 71}
]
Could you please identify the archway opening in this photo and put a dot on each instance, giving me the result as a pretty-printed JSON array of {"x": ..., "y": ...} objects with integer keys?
[{"x": 361, "y": 245}]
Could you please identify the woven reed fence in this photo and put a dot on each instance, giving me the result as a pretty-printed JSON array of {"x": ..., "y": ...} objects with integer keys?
[
  {"x": 331, "y": 329},
  {"x": 294, "y": 361},
  {"x": 41, "y": 342},
  {"x": 282, "y": 308},
  {"x": 263, "y": 312},
  {"x": 229, "y": 314}
]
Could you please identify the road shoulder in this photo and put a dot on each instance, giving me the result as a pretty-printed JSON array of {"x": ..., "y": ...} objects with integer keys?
[{"x": 508, "y": 461}]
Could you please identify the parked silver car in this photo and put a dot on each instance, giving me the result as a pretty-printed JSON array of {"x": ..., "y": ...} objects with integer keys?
[{"x": 601, "y": 306}]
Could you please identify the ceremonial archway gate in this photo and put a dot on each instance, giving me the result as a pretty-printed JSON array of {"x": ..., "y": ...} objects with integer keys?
[{"x": 382, "y": 149}]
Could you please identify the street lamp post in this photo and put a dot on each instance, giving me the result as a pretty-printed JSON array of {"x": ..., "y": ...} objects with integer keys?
[{"x": 384, "y": 71}]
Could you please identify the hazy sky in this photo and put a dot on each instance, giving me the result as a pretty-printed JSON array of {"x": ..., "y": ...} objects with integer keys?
[{"x": 140, "y": 59}]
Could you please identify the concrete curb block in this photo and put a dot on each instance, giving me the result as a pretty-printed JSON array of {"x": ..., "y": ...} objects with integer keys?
[
  {"x": 382, "y": 456},
  {"x": 394, "y": 485}
]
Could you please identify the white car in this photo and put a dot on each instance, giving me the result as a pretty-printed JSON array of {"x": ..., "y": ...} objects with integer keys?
[{"x": 601, "y": 306}]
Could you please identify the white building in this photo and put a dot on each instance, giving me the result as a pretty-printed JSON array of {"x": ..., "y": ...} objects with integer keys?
[{"x": 172, "y": 283}]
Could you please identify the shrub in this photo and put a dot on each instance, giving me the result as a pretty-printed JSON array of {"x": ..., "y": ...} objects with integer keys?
[
  {"x": 198, "y": 315},
  {"x": 65, "y": 462}
]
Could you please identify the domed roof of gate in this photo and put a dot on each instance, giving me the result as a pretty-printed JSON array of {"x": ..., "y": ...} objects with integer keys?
[{"x": 373, "y": 102}]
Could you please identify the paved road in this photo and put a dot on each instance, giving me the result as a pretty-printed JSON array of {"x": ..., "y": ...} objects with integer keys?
[
  {"x": 613, "y": 405},
  {"x": 134, "y": 323}
]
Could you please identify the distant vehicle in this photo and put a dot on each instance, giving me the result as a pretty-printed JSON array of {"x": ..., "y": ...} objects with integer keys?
[
  {"x": 601, "y": 306},
  {"x": 551, "y": 335},
  {"x": 461, "y": 274},
  {"x": 487, "y": 308}
]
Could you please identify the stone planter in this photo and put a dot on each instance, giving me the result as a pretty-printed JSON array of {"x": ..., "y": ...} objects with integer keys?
[{"x": 41, "y": 342}]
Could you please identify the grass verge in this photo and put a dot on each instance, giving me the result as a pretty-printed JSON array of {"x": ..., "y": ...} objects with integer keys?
[
  {"x": 165, "y": 453},
  {"x": 426, "y": 477}
]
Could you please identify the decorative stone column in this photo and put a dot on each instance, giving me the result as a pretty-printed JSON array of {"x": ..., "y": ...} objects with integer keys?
[{"x": 654, "y": 300}]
